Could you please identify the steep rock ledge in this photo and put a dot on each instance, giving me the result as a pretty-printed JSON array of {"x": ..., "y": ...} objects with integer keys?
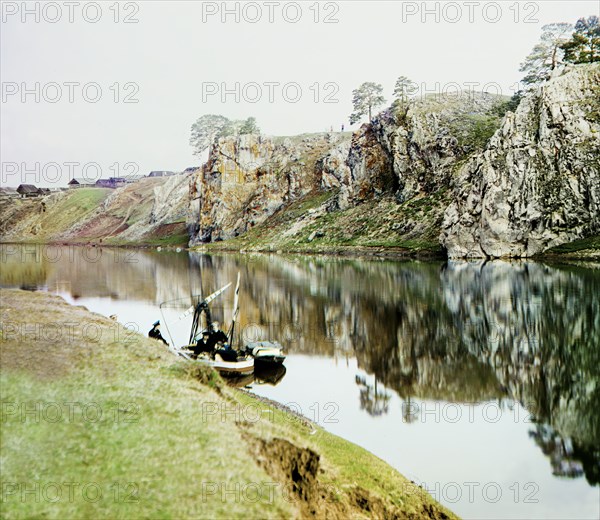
[
  {"x": 537, "y": 184},
  {"x": 249, "y": 177},
  {"x": 457, "y": 168}
]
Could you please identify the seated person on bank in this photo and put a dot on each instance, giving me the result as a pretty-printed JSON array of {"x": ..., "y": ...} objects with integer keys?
[{"x": 155, "y": 333}]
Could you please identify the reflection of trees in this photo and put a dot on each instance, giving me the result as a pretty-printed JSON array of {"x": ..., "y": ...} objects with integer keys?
[
  {"x": 23, "y": 266},
  {"x": 559, "y": 450},
  {"x": 410, "y": 411},
  {"x": 373, "y": 400},
  {"x": 464, "y": 332}
]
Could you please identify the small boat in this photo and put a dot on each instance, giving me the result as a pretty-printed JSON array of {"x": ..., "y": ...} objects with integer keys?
[
  {"x": 263, "y": 353},
  {"x": 242, "y": 367},
  {"x": 266, "y": 352}
]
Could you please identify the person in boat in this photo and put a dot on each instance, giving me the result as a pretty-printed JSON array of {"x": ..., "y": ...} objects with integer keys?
[
  {"x": 217, "y": 338},
  {"x": 226, "y": 352},
  {"x": 202, "y": 345},
  {"x": 219, "y": 341},
  {"x": 155, "y": 333}
]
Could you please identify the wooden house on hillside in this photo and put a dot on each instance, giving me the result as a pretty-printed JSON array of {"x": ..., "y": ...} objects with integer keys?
[
  {"x": 28, "y": 190},
  {"x": 81, "y": 183}
]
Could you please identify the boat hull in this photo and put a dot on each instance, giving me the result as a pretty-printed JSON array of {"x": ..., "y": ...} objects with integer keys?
[
  {"x": 266, "y": 352},
  {"x": 228, "y": 368}
]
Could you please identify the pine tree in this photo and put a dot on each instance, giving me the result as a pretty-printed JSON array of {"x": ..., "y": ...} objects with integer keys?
[
  {"x": 404, "y": 88},
  {"x": 546, "y": 54},
  {"x": 584, "y": 45},
  {"x": 364, "y": 99},
  {"x": 210, "y": 127},
  {"x": 205, "y": 130},
  {"x": 250, "y": 127}
]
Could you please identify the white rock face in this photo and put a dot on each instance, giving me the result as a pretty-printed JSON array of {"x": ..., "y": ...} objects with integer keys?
[
  {"x": 537, "y": 184},
  {"x": 170, "y": 204},
  {"x": 247, "y": 178},
  {"x": 171, "y": 199},
  {"x": 533, "y": 185}
]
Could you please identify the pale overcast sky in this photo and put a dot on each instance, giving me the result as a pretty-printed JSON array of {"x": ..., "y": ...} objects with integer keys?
[{"x": 177, "y": 58}]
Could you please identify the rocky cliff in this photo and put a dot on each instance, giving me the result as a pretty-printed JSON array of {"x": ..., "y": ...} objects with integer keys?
[
  {"x": 411, "y": 149},
  {"x": 537, "y": 184},
  {"x": 457, "y": 170},
  {"x": 407, "y": 153},
  {"x": 249, "y": 177}
]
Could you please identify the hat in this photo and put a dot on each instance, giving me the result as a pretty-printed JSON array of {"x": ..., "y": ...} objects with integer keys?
[
  {"x": 206, "y": 333},
  {"x": 157, "y": 322}
]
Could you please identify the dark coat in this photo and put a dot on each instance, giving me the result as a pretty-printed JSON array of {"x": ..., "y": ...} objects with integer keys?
[{"x": 155, "y": 334}]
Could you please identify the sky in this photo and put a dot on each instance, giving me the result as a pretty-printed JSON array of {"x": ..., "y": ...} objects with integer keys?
[{"x": 101, "y": 89}]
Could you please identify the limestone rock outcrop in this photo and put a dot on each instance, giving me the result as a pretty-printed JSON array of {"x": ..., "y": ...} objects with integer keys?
[
  {"x": 537, "y": 184},
  {"x": 411, "y": 149},
  {"x": 247, "y": 178},
  {"x": 512, "y": 184}
]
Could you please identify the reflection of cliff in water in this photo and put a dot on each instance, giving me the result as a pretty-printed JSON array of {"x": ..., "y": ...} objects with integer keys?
[
  {"x": 538, "y": 329},
  {"x": 513, "y": 331},
  {"x": 464, "y": 332}
]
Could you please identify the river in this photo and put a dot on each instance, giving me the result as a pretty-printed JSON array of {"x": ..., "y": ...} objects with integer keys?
[{"x": 479, "y": 381}]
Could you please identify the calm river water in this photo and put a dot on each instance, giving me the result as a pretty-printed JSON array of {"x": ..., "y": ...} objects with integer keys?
[{"x": 479, "y": 381}]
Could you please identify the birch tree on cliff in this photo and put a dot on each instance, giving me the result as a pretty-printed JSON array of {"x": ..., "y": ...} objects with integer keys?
[{"x": 210, "y": 127}]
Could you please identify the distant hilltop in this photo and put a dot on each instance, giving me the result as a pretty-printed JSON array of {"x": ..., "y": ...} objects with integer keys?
[
  {"x": 147, "y": 210},
  {"x": 31, "y": 190}
]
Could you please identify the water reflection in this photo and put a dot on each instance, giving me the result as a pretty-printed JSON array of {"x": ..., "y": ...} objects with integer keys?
[
  {"x": 373, "y": 400},
  {"x": 462, "y": 332}
]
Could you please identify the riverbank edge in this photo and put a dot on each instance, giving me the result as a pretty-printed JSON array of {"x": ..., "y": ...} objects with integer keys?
[
  {"x": 342, "y": 479},
  {"x": 559, "y": 254}
]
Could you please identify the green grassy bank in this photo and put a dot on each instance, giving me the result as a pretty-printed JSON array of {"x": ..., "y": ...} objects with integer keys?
[
  {"x": 100, "y": 422},
  {"x": 380, "y": 227}
]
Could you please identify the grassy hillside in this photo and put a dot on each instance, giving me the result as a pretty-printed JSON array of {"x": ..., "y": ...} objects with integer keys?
[
  {"x": 373, "y": 226},
  {"x": 587, "y": 248},
  {"x": 96, "y": 215},
  {"x": 42, "y": 218},
  {"x": 98, "y": 422}
]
